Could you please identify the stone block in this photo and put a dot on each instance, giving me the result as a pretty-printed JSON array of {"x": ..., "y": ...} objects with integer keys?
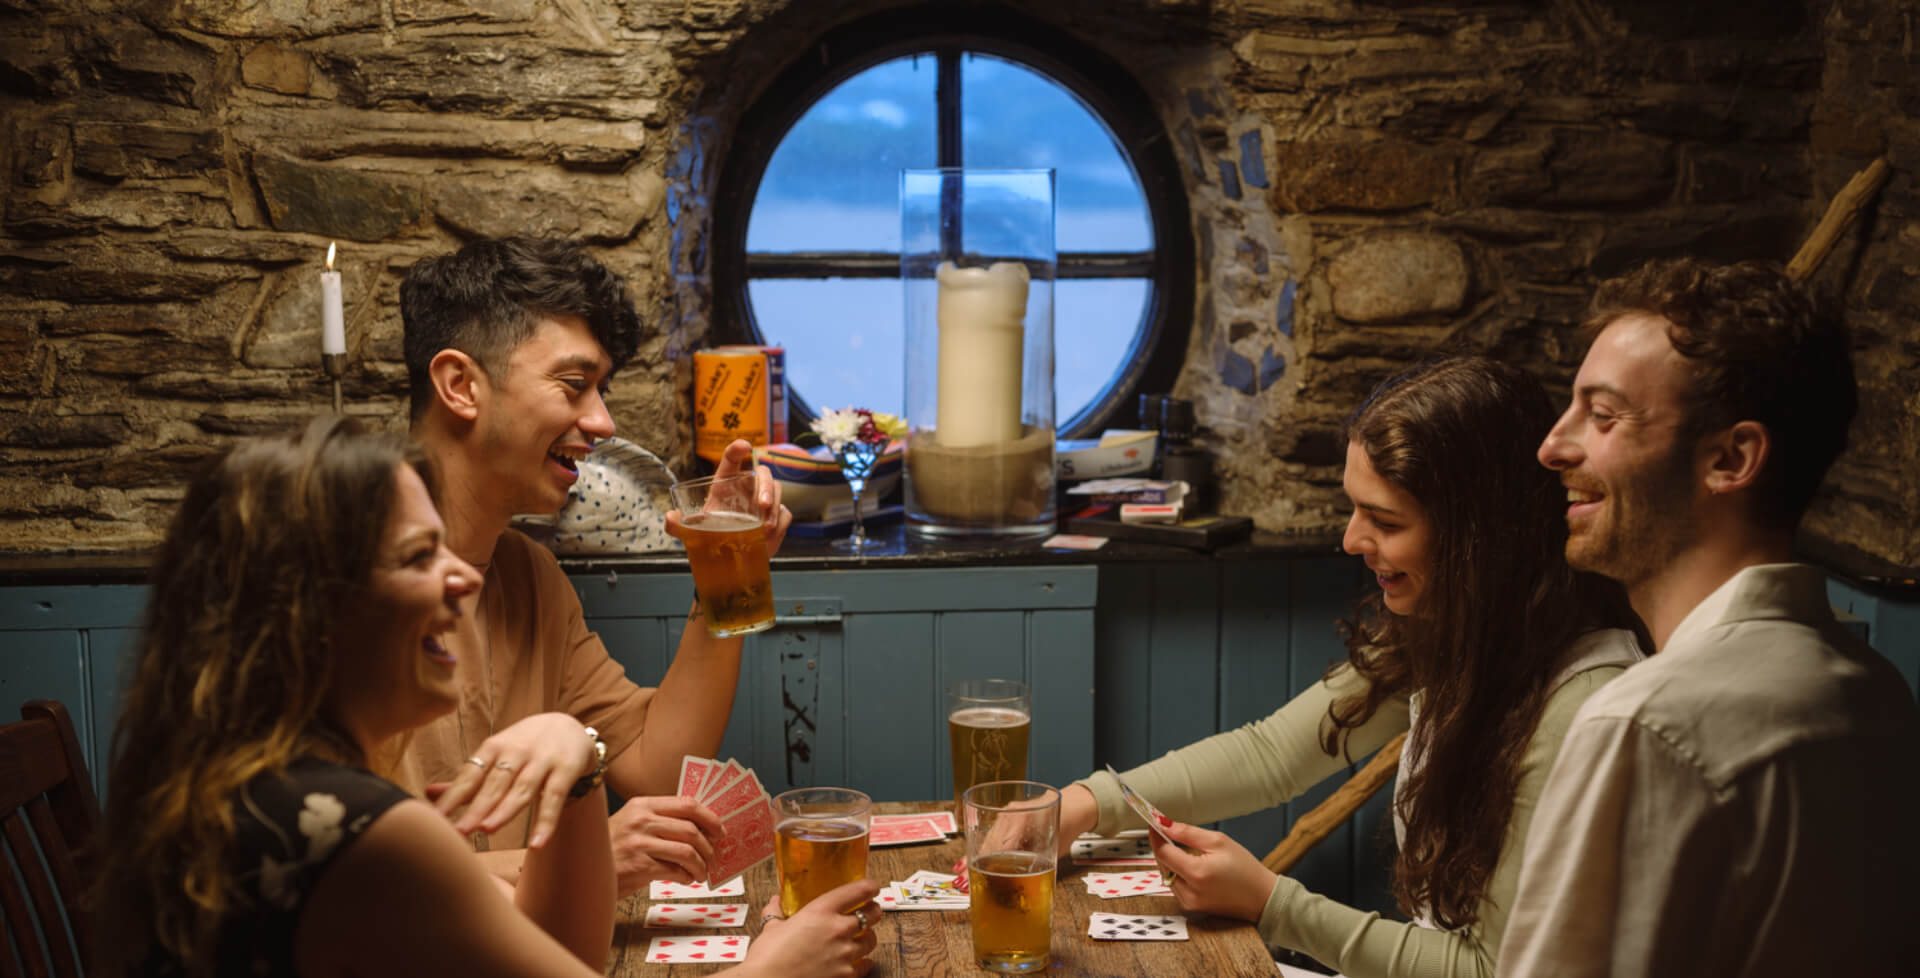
[
  {"x": 117, "y": 273},
  {"x": 1725, "y": 238},
  {"x": 1590, "y": 167},
  {"x": 309, "y": 19},
  {"x": 134, "y": 62},
  {"x": 1373, "y": 175},
  {"x": 336, "y": 200},
  {"x": 224, "y": 385},
  {"x": 275, "y": 68},
  {"x": 34, "y": 64},
  {"x": 138, "y": 356},
  {"x": 532, "y": 73},
  {"x": 64, "y": 431},
  {"x": 546, "y": 201},
  {"x": 335, "y": 133},
  {"x": 1394, "y": 275},
  {"x": 135, "y": 468},
  {"x": 113, "y": 151}
]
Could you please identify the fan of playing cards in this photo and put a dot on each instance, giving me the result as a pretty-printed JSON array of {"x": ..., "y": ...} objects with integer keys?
[{"x": 734, "y": 795}]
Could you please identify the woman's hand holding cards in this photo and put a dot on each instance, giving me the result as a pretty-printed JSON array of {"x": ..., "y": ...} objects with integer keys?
[{"x": 1211, "y": 872}]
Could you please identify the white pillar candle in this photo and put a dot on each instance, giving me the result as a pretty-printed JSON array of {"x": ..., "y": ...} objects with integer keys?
[
  {"x": 982, "y": 316},
  {"x": 333, "y": 329}
]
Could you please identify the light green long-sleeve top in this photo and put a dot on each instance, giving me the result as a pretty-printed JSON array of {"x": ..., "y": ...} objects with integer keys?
[{"x": 1276, "y": 759}]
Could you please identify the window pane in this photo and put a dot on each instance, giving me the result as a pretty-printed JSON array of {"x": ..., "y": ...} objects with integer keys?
[
  {"x": 1012, "y": 116},
  {"x": 842, "y": 336},
  {"x": 834, "y": 182},
  {"x": 1095, "y": 323}
]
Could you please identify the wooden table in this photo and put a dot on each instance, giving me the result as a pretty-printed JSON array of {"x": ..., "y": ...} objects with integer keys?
[{"x": 933, "y": 943}]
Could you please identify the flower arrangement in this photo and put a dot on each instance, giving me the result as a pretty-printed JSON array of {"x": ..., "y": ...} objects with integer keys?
[{"x": 837, "y": 428}]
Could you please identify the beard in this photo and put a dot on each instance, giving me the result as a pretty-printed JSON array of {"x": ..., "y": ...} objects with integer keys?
[{"x": 1646, "y": 523}]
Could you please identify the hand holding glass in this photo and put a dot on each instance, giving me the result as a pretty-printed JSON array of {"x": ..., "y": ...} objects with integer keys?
[
  {"x": 1013, "y": 830},
  {"x": 820, "y": 842},
  {"x": 727, "y": 550}
]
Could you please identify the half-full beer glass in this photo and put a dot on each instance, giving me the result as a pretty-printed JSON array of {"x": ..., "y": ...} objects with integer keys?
[
  {"x": 988, "y": 723},
  {"x": 727, "y": 549},
  {"x": 819, "y": 842},
  {"x": 1011, "y": 830}
]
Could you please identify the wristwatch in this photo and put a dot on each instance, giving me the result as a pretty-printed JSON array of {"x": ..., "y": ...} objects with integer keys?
[{"x": 592, "y": 779}]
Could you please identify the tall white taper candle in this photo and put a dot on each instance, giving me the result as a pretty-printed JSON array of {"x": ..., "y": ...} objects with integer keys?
[{"x": 333, "y": 328}]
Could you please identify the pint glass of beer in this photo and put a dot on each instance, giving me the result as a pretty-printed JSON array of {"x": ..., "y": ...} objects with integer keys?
[
  {"x": 727, "y": 548},
  {"x": 819, "y": 842},
  {"x": 1012, "y": 828},
  {"x": 988, "y": 721}
]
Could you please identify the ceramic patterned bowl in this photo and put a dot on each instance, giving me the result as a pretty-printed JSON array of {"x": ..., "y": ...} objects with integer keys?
[
  {"x": 810, "y": 479},
  {"x": 618, "y": 506}
]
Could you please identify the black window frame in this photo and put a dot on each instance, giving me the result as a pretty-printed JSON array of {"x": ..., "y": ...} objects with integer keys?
[{"x": 1107, "y": 89}]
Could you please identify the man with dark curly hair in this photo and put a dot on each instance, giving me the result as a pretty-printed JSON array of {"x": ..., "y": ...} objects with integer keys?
[
  {"x": 1743, "y": 802},
  {"x": 509, "y": 345}
]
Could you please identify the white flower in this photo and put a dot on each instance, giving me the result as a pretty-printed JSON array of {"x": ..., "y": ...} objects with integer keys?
[
  {"x": 836, "y": 428},
  {"x": 320, "y": 823}
]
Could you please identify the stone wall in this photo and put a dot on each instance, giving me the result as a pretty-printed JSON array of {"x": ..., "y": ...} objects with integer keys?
[{"x": 1369, "y": 182}]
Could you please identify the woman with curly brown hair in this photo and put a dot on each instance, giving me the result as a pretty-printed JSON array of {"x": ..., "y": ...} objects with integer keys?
[
  {"x": 293, "y": 638},
  {"x": 1480, "y": 644}
]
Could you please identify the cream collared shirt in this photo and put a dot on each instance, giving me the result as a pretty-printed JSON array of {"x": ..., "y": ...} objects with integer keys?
[{"x": 1744, "y": 803}]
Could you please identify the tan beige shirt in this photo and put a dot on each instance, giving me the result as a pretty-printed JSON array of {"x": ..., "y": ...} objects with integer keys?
[
  {"x": 1278, "y": 758},
  {"x": 528, "y": 650},
  {"x": 1744, "y": 803}
]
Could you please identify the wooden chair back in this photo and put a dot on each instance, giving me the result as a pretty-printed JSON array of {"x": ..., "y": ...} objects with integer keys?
[
  {"x": 48, "y": 813},
  {"x": 1319, "y": 823}
]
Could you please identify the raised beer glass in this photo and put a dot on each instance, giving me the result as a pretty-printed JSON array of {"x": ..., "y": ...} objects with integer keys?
[
  {"x": 988, "y": 723},
  {"x": 819, "y": 842},
  {"x": 727, "y": 549},
  {"x": 1012, "y": 828}
]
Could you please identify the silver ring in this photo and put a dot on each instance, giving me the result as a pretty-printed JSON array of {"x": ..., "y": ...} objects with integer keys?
[
  {"x": 860, "y": 914},
  {"x": 476, "y": 762},
  {"x": 765, "y": 917},
  {"x": 503, "y": 765}
]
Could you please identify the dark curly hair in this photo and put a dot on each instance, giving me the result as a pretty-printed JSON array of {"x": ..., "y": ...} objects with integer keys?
[
  {"x": 485, "y": 299},
  {"x": 1759, "y": 349},
  {"x": 1458, "y": 434}
]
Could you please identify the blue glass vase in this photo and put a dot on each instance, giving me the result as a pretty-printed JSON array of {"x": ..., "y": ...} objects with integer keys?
[{"x": 856, "y": 465}]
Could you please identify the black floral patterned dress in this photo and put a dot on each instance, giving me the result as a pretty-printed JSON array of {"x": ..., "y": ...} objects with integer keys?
[{"x": 289, "y": 829}]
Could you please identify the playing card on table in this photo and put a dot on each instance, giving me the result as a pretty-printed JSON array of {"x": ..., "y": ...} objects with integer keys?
[
  {"x": 899, "y": 832},
  {"x": 1144, "y": 808},
  {"x": 1112, "y": 886},
  {"x": 746, "y": 841},
  {"x": 669, "y": 890},
  {"x": 697, "y": 915},
  {"x": 1130, "y": 849},
  {"x": 684, "y": 950},
  {"x": 894, "y": 898},
  {"x": 941, "y": 885},
  {"x": 1137, "y": 927},
  {"x": 693, "y": 770}
]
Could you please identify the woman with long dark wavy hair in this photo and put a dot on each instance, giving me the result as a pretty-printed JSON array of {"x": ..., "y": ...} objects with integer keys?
[
  {"x": 1480, "y": 644},
  {"x": 292, "y": 639}
]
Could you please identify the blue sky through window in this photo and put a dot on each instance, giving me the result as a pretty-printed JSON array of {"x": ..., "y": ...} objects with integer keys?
[{"x": 833, "y": 185}]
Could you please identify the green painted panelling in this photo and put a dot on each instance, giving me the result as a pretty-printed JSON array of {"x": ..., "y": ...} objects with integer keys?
[
  {"x": 1185, "y": 666},
  {"x": 896, "y": 709},
  {"x": 49, "y": 665},
  {"x": 1060, "y": 668},
  {"x": 110, "y": 653},
  {"x": 1255, "y": 652},
  {"x": 1123, "y": 654},
  {"x": 72, "y": 606}
]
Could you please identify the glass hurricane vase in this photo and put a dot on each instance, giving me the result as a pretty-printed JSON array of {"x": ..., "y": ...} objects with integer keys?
[{"x": 856, "y": 465}]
